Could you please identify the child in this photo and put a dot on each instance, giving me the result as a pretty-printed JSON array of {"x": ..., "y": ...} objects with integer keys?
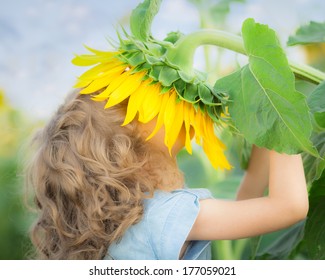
[{"x": 103, "y": 191}]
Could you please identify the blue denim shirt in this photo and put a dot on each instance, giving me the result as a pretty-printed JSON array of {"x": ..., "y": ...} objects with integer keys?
[{"x": 167, "y": 220}]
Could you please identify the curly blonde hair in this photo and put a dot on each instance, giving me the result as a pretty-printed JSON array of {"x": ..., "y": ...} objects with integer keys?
[{"x": 89, "y": 177}]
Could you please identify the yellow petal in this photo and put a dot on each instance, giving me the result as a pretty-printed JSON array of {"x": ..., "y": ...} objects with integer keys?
[
  {"x": 115, "y": 83},
  {"x": 102, "y": 53},
  {"x": 125, "y": 89},
  {"x": 151, "y": 104},
  {"x": 160, "y": 119},
  {"x": 197, "y": 124},
  {"x": 187, "y": 113},
  {"x": 82, "y": 84},
  {"x": 135, "y": 101},
  {"x": 210, "y": 135},
  {"x": 91, "y": 59},
  {"x": 216, "y": 156},
  {"x": 85, "y": 60},
  {"x": 213, "y": 147},
  {"x": 175, "y": 128},
  {"x": 169, "y": 117},
  {"x": 103, "y": 82},
  {"x": 101, "y": 70}
]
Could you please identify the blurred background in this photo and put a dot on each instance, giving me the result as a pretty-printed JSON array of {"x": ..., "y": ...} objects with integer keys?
[{"x": 38, "y": 39}]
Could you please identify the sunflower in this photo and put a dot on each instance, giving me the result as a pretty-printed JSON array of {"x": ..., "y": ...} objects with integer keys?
[{"x": 116, "y": 81}]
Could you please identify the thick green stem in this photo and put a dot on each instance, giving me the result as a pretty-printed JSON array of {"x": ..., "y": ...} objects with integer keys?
[
  {"x": 307, "y": 72},
  {"x": 182, "y": 54}
]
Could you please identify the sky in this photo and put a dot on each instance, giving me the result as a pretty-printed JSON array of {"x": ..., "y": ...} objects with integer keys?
[{"x": 38, "y": 38}]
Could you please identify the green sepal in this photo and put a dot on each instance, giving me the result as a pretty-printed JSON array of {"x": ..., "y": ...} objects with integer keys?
[
  {"x": 205, "y": 94},
  {"x": 165, "y": 89},
  {"x": 186, "y": 77},
  {"x": 136, "y": 58},
  {"x": 179, "y": 86},
  {"x": 155, "y": 72},
  {"x": 213, "y": 114},
  {"x": 202, "y": 107},
  {"x": 142, "y": 17},
  {"x": 153, "y": 60},
  {"x": 141, "y": 67},
  {"x": 173, "y": 37},
  {"x": 145, "y": 66},
  {"x": 191, "y": 93},
  {"x": 200, "y": 76},
  {"x": 168, "y": 75}
]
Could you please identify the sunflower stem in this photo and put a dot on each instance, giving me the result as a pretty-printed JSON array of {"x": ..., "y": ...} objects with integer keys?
[{"x": 182, "y": 53}]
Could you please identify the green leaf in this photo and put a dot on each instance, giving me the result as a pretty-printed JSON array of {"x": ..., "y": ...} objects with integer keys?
[
  {"x": 315, "y": 225},
  {"x": 317, "y": 190},
  {"x": 244, "y": 150},
  {"x": 284, "y": 245},
  {"x": 168, "y": 75},
  {"x": 264, "y": 104},
  {"x": 142, "y": 17},
  {"x": 316, "y": 102},
  {"x": 314, "y": 32},
  {"x": 314, "y": 167}
]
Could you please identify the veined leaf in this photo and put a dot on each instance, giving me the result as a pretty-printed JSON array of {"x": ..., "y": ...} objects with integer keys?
[
  {"x": 314, "y": 32},
  {"x": 314, "y": 167},
  {"x": 316, "y": 102},
  {"x": 142, "y": 17},
  {"x": 315, "y": 225},
  {"x": 264, "y": 104},
  {"x": 283, "y": 246}
]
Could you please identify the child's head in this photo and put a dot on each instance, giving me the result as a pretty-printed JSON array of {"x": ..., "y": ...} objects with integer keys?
[{"x": 89, "y": 176}]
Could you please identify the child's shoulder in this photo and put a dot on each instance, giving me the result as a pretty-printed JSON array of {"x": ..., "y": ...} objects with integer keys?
[
  {"x": 162, "y": 197},
  {"x": 163, "y": 203}
]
